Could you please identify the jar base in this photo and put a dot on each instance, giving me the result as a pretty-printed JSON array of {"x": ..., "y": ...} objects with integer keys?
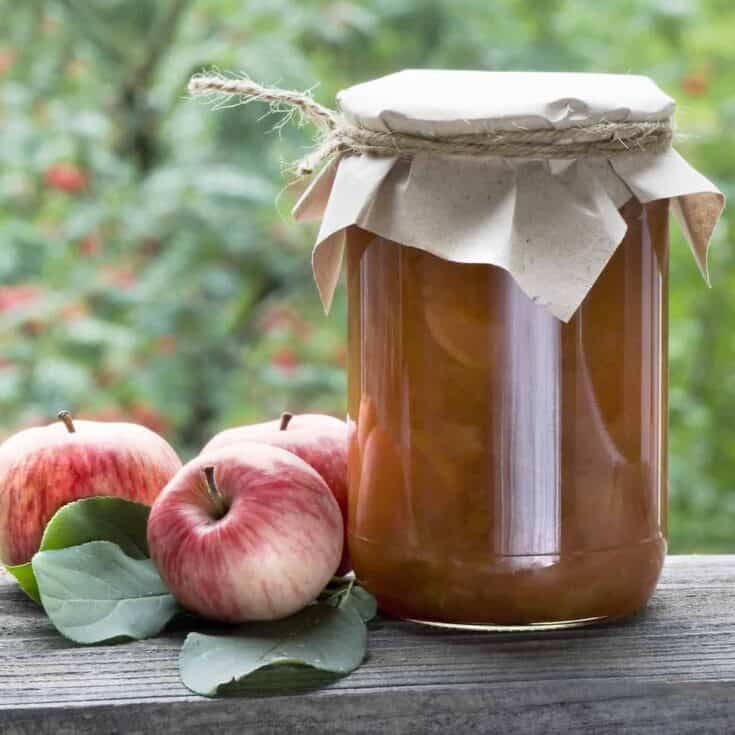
[
  {"x": 525, "y": 628},
  {"x": 503, "y": 592}
]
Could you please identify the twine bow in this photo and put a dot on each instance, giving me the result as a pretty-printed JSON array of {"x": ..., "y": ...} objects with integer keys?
[{"x": 337, "y": 136}]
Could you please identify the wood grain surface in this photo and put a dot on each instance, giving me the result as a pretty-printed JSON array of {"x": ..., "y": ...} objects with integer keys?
[{"x": 669, "y": 670}]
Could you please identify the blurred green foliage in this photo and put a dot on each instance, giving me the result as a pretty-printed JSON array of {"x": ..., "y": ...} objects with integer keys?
[{"x": 148, "y": 264}]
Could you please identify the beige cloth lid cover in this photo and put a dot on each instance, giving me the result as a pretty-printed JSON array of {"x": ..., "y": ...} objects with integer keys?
[{"x": 552, "y": 224}]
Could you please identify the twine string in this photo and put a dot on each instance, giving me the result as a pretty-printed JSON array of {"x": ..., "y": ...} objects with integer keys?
[{"x": 337, "y": 136}]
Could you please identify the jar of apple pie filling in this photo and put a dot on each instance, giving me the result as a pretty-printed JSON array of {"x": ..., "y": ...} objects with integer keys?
[
  {"x": 506, "y": 247},
  {"x": 507, "y": 467}
]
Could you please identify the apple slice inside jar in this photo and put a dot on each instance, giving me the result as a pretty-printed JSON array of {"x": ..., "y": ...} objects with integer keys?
[
  {"x": 457, "y": 303},
  {"x": 382, "y": 507}
]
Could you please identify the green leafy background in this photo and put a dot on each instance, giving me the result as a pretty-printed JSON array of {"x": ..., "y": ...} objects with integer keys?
[{"x": 145, "y": 272}]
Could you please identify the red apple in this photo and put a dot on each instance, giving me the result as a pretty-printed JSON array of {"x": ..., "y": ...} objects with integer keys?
[
  {"x": 248, "y": 532},
  {"x": 45, "y": 467},
  {"x": 320, "y": 440}
]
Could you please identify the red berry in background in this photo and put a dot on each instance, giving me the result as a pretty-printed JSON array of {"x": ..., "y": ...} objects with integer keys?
[
  {"x": 695, "y": 84},
  {"x": 107, "y": 414},
  {"x": 284, "y": 358},
  {"x": 16, "y": 297},
  {"x": 118, "y": 275},
  {"x": 74, "y": 312},
  {"x": 166, "y": 345},
  {"x": 146, "y": 415},
  {"x": 139, "y": 413},
  {"x": 66, "y": 177},
  {"x": 90, "y": 245},
  {"x": 106, "y": 378},
  {"x": 340, "y": 355},
  {"x": 150, "y": 245},
  {"x": 282, "y": 318},
  {"x": 277, "y": 318},
  {"x": 34, "y": 327},
  {"x": 7, "y": 57}
]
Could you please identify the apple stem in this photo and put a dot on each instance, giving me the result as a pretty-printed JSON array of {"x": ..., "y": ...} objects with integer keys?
[
  {"x": 214, "y": 493},
  {"x": 68, "y": 421},
  {"x": 285, "y": 420}
]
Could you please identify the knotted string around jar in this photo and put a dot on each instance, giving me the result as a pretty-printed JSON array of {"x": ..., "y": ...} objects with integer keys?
[{"x": 338, "y": 136}]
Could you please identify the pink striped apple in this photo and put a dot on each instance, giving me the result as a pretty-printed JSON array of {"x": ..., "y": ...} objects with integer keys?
[
  {"x": 248, "y": 532},
  {"x": 318, "y": 439},
  {"x": 45, "y": 467}
]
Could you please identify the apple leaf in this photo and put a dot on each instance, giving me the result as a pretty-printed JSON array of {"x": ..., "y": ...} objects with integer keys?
[
  {"x": 95, "y": 592},
  {"x": 23, "y": 574},
  {"x": 320, "y": 638},
  {"x": 120, "y": 521},
  {"x": 341, "y": 591},
  {"x": 363, "y": 602}
]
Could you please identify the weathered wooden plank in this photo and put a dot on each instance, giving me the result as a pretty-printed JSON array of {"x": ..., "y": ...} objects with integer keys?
[
  {"x": 591, "y": 707},
  {"x": 671, "y": 669}
]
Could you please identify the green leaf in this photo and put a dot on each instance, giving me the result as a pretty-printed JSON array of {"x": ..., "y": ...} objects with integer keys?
[
  {"x": 336, "y": 590},
  {"x": 23, "y": 573},
  {"x": 94, "y": 593},
  {"x": 363, "y": 602},
  {"x": 120, "y": 521},
  {"x": 320, "y": 637},
  {"x": 343, "y": 591}
]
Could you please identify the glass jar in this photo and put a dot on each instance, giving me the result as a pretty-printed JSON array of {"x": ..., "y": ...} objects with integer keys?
[{"x": 507, "y": 468}]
